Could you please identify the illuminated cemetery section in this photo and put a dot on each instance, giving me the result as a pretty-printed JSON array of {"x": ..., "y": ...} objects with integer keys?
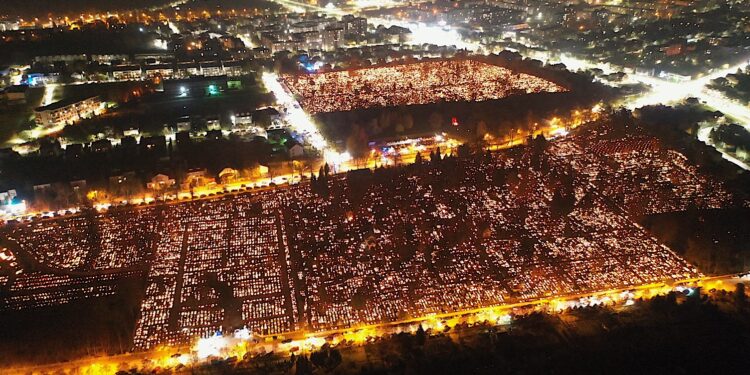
[
  {"x": 411, "y": 84},
  {"x": 444, "y": 236},
  {"x": 219, "y": 263}
]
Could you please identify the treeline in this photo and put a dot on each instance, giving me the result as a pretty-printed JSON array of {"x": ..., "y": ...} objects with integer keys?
[
  {"x": 678, "y": 127},
  {"x": 465, "y": 121},
  {"x": 684, "y": 333},
  {"x": 715, "y": 241},
  {"x": 733, "y": 136}
]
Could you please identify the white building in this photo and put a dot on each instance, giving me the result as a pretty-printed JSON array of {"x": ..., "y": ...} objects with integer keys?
[
  {"x": 127, "y": 73},
  {"x": 68, "y": 111},
  {"x": 212, "y": 69},
  {"x": 165, "y": 71}
]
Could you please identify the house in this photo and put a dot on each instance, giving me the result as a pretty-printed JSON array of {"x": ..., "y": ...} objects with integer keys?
[
  {"x": 214, "y": 135},
  {"x": 50, "y": 147},
  {"x": 101, "y": 145},
  {"x": 128, "y": 145},
  {"x": 160, "y": 182},
  {"x": 228, "y": 175},
  {"x": 213, "y": 123},
  {"x": 157, "y": 144},
  {"x": 195, "y": 178},
  {"x": 78, "y": 186},
  {"x": 242, "y": 120},
  {"x": 16, "y": 94},
  {"x": 183, "y": 139},
  {"x": 124, "y": 185},
  {"x": 294, "y": 150},
  {"x": 74, "y": 150},
  {"x": 183, "y": 124}
]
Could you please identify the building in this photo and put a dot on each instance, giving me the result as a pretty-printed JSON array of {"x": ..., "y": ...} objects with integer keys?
[
  {"x": 212, "y": 69},
  {"x": 188, "y": 69},
  {"x": 10, "y": 205},
  {"x": 110, "y": 58},
  {"x": 68, "y": 111},
  {"x": 51, "y": 59},
  {"x": 183, "y": 124},
  {"x": 233, "y": 68},
  {"x": 165, "y": 71},
  {"x": 213, "y": 123},
  {"x": 294, "y": 150},
  {"x": 228, "y": 175},
  {"x": 242, "y": 120},
  {"x": 101, "y": 145},
  {"x": 354, "y": 25},
  {"x": 127, "y": 73},
  {"x": 154, "y": 58},
  {"x": 332, "y": 38},
  {"x": 7, "y": 197},
  {"x": 306, "y": 26},
  {"x": 286, "y": 45},
  {"x": 16, "y": 94},
  {"x": 160, "y": 182},
  {"x": 7, "y": 25},
  {"x": 197, "y": 178},
  {"x": 261, "y": 52}
]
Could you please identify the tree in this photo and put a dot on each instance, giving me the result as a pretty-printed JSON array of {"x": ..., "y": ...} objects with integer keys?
[
  {"x": 563, "y": 202},
  {"x": 418, "y": 159},
  {"x": 421, "y": 336},
  {"x": 334, "y": 359},
  {"x": 408, "y": 121},
  {"x": 436, "y": 121},
  {"x": 384, "y": 121},
  {"x": 464, "y": 151},
  {"x": 435, "y": 156},
  {"x": 357, "y": 142},
  {"x": 399, "y": 128},
  {"x": 481, "y": 130},
  {"x": 303, "y": 367},
  {"x": 326, "y": 358},
  {"x": 359, "y": 300},
  {"x": 740, "y": 298}
]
